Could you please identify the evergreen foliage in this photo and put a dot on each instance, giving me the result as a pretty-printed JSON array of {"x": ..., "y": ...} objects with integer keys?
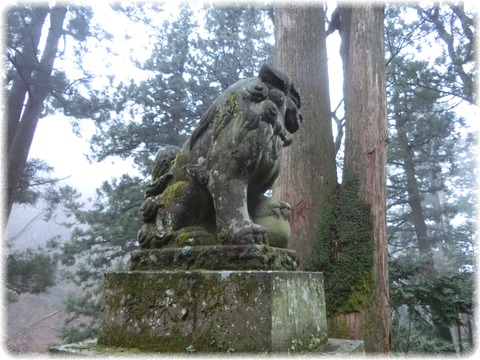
[
  {"x": 31, "y": 271},
  {"x": 34, "y": 176},
  {"x": 190, "y": 64},
  {"x": 431, "y": 185}
]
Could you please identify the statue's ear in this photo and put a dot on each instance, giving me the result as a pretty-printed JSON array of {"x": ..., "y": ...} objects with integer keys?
[
  {"x": 293, "y": 118},
  {"x": 295, "y": 96},
  {"x": 274, "y": 77}
]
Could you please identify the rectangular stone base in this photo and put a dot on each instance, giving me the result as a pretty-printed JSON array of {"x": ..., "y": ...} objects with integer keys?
[{"x": 213, "y": 311}]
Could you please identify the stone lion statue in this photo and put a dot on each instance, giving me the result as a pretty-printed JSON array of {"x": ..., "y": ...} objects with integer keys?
[{"x": 212, "y": 190}]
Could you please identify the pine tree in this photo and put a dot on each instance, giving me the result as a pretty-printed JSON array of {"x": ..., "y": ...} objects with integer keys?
[
  {"x": 425, "y": 145},
  {"x": 35, "y": 85}
]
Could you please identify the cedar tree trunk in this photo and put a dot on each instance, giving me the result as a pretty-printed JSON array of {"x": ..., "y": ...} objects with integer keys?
[
  {"x": 365, "y": 156},
  {"x": 308, "y": 174}
]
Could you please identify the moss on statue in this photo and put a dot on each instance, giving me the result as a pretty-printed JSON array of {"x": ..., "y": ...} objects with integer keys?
[
  {"x": 174, "y": 193},
  {"x": 194, "y": 236},
  {"x": 343, "y": 250},
  {"x": 233, "y": 103},
  {"x": 180, "y": 166},
  {"x": 232, "y": 157}
]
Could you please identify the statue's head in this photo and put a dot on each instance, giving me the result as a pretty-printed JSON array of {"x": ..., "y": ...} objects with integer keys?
[
  {"x": 270, "y": 97},
  {"x": 277, "y": 98},
  {"x": 280, "y": 81}
]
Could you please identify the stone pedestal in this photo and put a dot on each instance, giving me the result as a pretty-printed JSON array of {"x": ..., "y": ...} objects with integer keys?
[
  {"x": 213, "y": 311},
  {"x": 214, "y": 257}
]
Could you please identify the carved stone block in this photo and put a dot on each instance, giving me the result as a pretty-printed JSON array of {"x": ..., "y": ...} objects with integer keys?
[{"x": 213, "y": 311}]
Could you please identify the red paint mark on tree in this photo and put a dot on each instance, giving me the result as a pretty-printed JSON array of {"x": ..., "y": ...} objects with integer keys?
[{"x": 299, "y": 211}]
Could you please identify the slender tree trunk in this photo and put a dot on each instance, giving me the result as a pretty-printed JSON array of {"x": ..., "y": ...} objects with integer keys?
[
  {"x": 419, "y": 224},
  {"x": 308, "y": 175},
  {"x": 440, "y": 200},
  {"x": 414, "y": 200},
  {"x": 434, "y": 16},
  {"x": 37, "y": 92},
  {"x": 365, "y": 155}
]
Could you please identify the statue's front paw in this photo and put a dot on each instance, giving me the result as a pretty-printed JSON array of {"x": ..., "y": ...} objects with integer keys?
[
  {"x": 251, "y": 234},
  {"x": 145, "y": 235},
  {"x": 246, "y": 234}
]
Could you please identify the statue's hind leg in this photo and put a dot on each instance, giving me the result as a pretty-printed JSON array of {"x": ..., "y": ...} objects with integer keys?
[{"x": 183, "y": 214}]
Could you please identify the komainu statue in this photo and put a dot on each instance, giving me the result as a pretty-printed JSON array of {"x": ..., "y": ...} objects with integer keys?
[{"x": 212, "y": 190}]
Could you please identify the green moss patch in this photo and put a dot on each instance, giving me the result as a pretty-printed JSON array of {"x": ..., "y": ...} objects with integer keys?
[
  {"x": 175, "y": 193},
  {"x": 233, "y": 103},
  {"x": 179, "y": 167}
]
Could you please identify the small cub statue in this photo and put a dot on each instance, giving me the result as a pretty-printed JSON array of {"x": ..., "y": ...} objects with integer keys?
[{"x": 212, "y": 190}]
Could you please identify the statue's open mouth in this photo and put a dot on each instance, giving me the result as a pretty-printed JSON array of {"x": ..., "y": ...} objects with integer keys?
[{"x": 286, "y": 138}]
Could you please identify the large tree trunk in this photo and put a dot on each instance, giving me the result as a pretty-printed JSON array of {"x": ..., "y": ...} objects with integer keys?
[
  {"x": 308, "y": 175},
  {"x": 21, "y": 132},
  {"x": 365, "y": 156}
]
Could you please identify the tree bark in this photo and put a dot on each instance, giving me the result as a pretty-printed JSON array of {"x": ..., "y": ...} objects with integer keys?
[
  {"x": 414, "y": 200},
  {"x": 308, "y": 175},
  {"x": 37, "y": 92},
  {"x": 365, "y": 154},
  {"x": 25, "y": 62}
]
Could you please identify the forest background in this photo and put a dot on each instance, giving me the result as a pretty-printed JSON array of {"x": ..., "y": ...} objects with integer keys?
[{"x": 128, "y": 97}]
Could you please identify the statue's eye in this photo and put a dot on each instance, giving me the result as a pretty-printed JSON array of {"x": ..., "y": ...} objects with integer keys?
[
  {"x": 259, "y": 88},
  {"x": 258, "y": 91}
]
